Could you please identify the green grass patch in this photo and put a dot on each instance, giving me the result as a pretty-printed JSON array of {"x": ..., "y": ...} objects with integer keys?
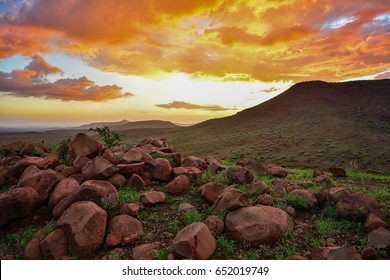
[
  {"x": 300, "y": 174},
  {"x": 162, "y": 254},
  {"x": 127, "y": 195},
  {"x": 296, "y": 201},
  {"x": 20, "y": 240},
  {"x": 225, "y": 247},
  {"x": 367, "y": 176},
  {"x": 192, "y": 217}
]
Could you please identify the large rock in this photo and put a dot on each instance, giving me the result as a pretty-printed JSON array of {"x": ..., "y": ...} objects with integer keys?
[
  {"x": 338, "y": 172},
  {"x": 146, "y": 251},
  {"x": 135, "y": 155},
  {"x": 117, "y": 180},
  {"x": 179, "y": 185},
  {"x": 373, "y": 222},
  {"x": 176, "y": 157},
  {"x": 160, "y": 168},
  {"x": 277, "y": 171},
  {"x": 136, "y": 182},
  {"x": 194, "y": 174},
  {"x": 64, "y": 188},
  {"x": 258, "y": 224},
  {"x": 83, "y": 145},
  {"x": 335, "y": 253},
  {"x": 43, "y": 181},
  {"x": 252, "y": 165},
  {"x": 359, "y": 205},
  {"x": 100, "y": 192},
  {"x": 48, "y": 161},
  {"x": 193, "y": 161},
  {"x": 379, "y": 238},
  {"x": 99, "y": 169},
  {"x": 215, "y": 223},
  {"x": 55, "y": 245},
  {"x": 240, "y": 175},
  {"x": 259, "y": 187},
  {"x": 338, "y": 193},
  {"x": 17, "y": 203},
  {"x": 209, "y": 192},
  {"x": 128, "y": 169},
  {"x": 32, "y": 250},
  {"x": 214, "y": 165},
  {"x": 308, "y": 197},
  {"x": 84, "y": 224},
  {"x": 152, "y": 197},
  {"x": 194, "y": 242},
  {"x": 127, "y": 226},
  {"x": 231, "y": 199}
]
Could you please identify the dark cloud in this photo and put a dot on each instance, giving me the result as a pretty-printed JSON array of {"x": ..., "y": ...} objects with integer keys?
[{"x": 191, "y": 106}]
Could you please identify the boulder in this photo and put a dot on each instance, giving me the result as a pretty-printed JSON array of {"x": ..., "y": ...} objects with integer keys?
[
  {"x": 113, "y": 239},
  {"x": 32, "y": 251},
  {"x": 84, "y": 224},
  {"x": 83, "y": 145},
  {"x": 265, "y": 199},
  {"x": 258, "y": 224},
  {"x": 146, "y": 251},
  {"x": 128, "y": 169},
  {"x": 209, "y": 192},
  {"x": 160, "y": 168},
  {"x": 277, "y": 171},
  {"x": 338, "y": 193},
  {"x": 335, "y": 253},
  {"x": 214, "y": 165},
  {"x": 259, "y": 187},
  {"x": 252, "y": 165},
  {"x": 127, "y": 226},
  {"x": 17, "y": 203},
  {"x": 369, "y": 253},
  {"x": 379, "y": 239},
  {"x": 193, "y": 174},
  {"x": 176, "y": 157},
  {"x": 99, "y": 169},
  {"x": 136, "y": 182},
  {"x": 308, "y": 197},
  {"x": 359, "y": 205},
  {"x": 135, "y": 155},
  {"x": 231, "y": 199},
  {"x": 45, "y": 162},
  {"x": 43, "y": 181},
  {"x": 64, "y": 188},
  {"x": 109, "y": 156},
  {"x": 100, "y": 192},
  {"x": 152, "y": 197},
  {"x": 338, "y": 172},
  {"x": 55, "y": 245},
  {"x": 215, "y": 223},
  {"x": 131, "y": 209},
  {"x": 179, "y": 185},
  {"x": 240, "y": 175},
  {"x": 80, "y": 162},
  {"x": 186, "y": 207},
  {"x": 193, "y": 161},
  {"x": 323, "y": 179},
  {"x": 194, "y": 242},
  {"x": 373, "y": 222},
  {"x": 117, "y": 180}
]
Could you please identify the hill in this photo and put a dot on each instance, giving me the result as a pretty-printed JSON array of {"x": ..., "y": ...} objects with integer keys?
[
  {"x": 125, "y": 125},
  {"x": 312, "y": 124}
]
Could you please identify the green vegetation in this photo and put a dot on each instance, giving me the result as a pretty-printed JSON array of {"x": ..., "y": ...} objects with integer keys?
[
  {"x": 62, "y": 149},
  {"x": 109, "y": 138},
  {"x": 225, "y": 247},
  {"x": 223, "y": 177},
  {"x": 49, "y": 229},
  {"x": 162, "y": 254},
  {"x": 127, "y": 195},
  {"x": 296, "y": 201},
  {"x": 173, "y": 225},
  {"x": 192, "y": 217},
  {"x": 19, "y": 240}
]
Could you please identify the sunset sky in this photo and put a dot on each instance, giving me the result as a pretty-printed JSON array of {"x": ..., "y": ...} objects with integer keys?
[{"x": 70, "y": 62}]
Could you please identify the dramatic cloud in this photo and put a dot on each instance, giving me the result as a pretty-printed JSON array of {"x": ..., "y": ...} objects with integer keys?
[
  {"x": 32, "y": 82},
  {"x": 190, "y": 106},
  {"x": 227, "y": 39}
]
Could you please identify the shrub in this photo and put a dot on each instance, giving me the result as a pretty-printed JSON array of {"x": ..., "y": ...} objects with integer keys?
[
  {"x": 62, "y": 149},
  {"x": 109, "y": 138}
]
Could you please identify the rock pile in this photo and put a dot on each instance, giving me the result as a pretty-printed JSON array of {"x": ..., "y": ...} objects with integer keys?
[{"x": 84, "y": 202}]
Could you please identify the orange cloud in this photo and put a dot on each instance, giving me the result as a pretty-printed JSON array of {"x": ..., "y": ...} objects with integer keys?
[
  {"x": 32, "y": 82},
  {"x": 190, "y": 106},
  {"x": 263, "y": 40}
]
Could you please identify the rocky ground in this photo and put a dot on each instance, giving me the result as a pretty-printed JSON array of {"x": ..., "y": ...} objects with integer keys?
[{"x": 146, "y": 202}]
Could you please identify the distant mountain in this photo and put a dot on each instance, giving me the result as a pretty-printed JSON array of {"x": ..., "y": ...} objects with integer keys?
[{"x": 126, "y": 125}]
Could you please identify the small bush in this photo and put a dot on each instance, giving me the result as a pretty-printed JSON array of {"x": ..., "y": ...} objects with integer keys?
[
  {"x": 169, "y": 158},
  {"x": 296, "y": 201},
  {"x": 62, "y": 149},
  {"x": 109, "y": 138}
]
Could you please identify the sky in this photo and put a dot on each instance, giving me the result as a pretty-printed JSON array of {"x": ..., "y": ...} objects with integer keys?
[{"x": 70, "y": 62}]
